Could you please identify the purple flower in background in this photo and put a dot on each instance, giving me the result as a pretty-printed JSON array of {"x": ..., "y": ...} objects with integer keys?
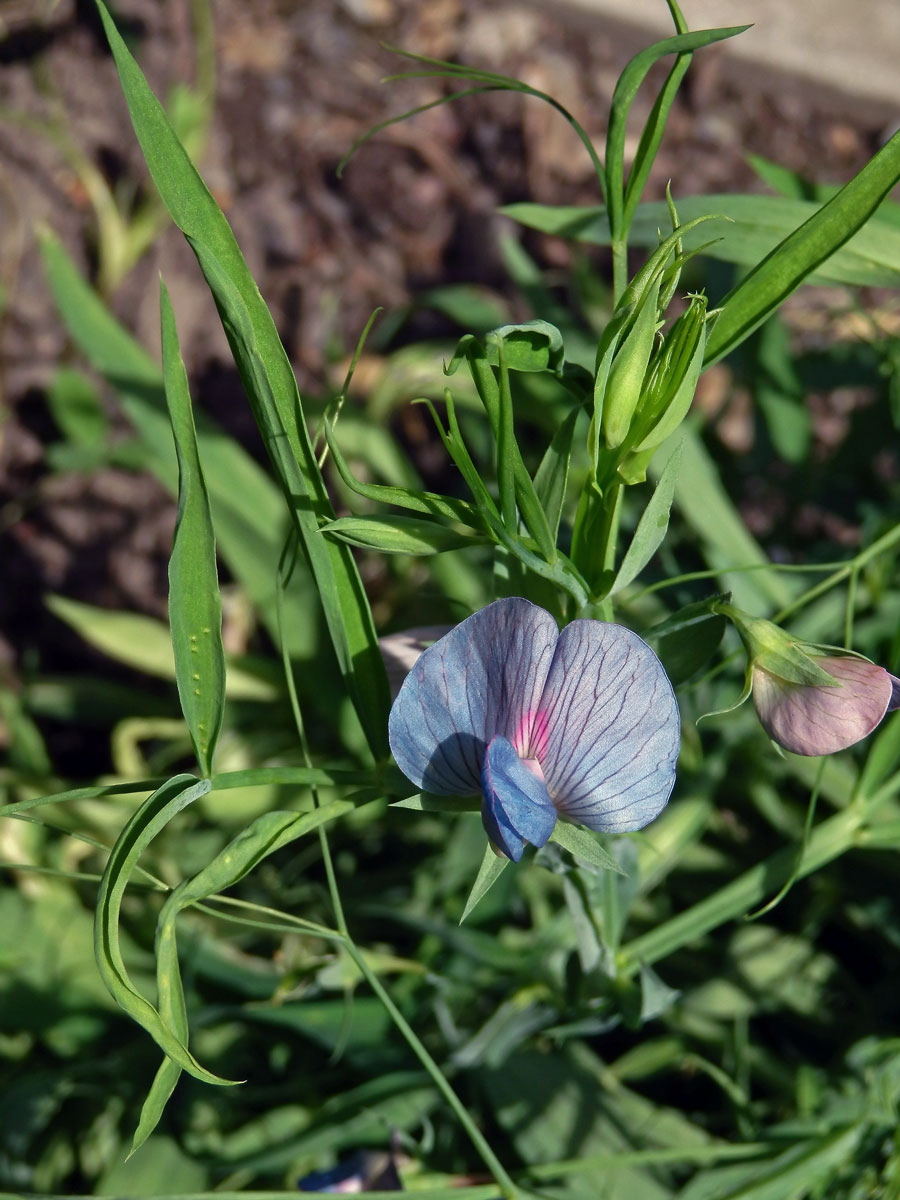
[
  {"x": 581, "y": 724},
  {"x": 821, "y": 719}
]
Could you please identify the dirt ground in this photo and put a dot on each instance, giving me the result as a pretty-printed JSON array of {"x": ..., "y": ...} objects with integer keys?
[{"x": 296, "y": 84}]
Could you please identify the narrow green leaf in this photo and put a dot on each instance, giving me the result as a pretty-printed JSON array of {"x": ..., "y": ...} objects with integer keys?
[
  {"x": 414, "y": 500},
  {"x": 583, "y": 845},
  {"x": 740, "y": 229},
  {"x": 688, "y": 639},
  {"x": 77, "y": 410},
  {"x": 654, "y": 128},
  {"x": 155, "y": 1102},
  {"x": 399, "y": 535},
  {"x": 263, "y": 837},
  {"x": 702, "y": 500},
  {"x": 652, "y": 526},
  {"x": 272, "y": 390},
  {"x": 195, "y": 607},
  {"x": 75, "y": 794},
  {"x": 471, "y": 349},
  {"x": 625, "y": 91},
  {"x": 531, "y": 346},
  {"x": 798, "y": 256},
  {"x": 300, "y": 777},
  {"x": 145, "y": 644},
  {"x": 492, "y": 867},
  {"x": 553, "y": 474},
  {"x": 153, "y": 815},
  {"x": 248, "y": 507}
]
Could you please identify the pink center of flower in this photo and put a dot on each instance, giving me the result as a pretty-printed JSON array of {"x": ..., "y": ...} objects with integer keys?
[{"x": 530, "y": 739}]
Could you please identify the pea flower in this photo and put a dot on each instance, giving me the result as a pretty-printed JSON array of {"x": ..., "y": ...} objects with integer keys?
[
  {"x": 811, "y": 699},
  {"x": 824, "y": 718},
  {"x": 581, "y": 724}
]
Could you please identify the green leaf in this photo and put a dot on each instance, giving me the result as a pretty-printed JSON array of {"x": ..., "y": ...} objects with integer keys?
[
  {"x": 797, "y": 257},
  {"x": 409, "y": 498},
  {"x": 688, "y": 639},
  {"x": 654, "y": 127},
  {"x": 399, "y": 535},
  {"x": 703, "y": 502},
  {"x": 272, "y": 390},
  {"x": 492, "y": 867},
  {"x": 744, "y": 229},
  {"x": 553, "y": 473},
  {"x": 153, "y": 815},
  {"x": 507, "y": 446},
  {"x": 583, "y": 845},
  {"x": 652, "y": 526},
  {"x": 625, "y": 91},
  {"x": 533, "y": 515},
  {"x": 145, "y": 644},
  {"x": 77, "y": 410},
  {"x": 532, "y": 346},
  {"x": 248, "y": 507},
  {"x": 195, "y": 607},
  {"x": 155, "y": 1101}
]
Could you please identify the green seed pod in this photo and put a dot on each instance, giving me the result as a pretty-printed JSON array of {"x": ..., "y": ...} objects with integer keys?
[
  {"x": 674, "y": 377},
  {"x": 625, "y": 385}
]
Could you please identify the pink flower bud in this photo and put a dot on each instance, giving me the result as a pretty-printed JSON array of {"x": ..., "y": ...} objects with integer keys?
[{"x": 819, "y": 718}]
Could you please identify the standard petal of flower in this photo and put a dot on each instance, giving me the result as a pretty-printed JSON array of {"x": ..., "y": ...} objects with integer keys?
[
  {"x": 485, "y": 677},
  {"x": 823, "y": 720},
  {"x": 516, "y": 807},
  {"x": 612, "y": 728}
]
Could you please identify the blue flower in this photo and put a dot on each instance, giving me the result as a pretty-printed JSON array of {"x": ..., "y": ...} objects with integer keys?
[{"x": 581, "y": 724}]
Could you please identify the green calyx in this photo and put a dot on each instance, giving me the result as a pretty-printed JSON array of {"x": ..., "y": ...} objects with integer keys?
[{"x": 777, "y": 652}]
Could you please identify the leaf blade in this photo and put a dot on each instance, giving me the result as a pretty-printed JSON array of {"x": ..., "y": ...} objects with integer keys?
[{"x": 195, "y": 606}]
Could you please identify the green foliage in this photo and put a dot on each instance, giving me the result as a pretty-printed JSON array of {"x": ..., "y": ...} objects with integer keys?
[
  {"x": 195, "y": 608},
  {"x": 603, "y": 1019}
]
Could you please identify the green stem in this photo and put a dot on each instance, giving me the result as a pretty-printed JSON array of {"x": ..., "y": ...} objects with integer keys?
[
  {"x": 493, "y": 1164},
  {"x": 619, "y": 267},
  {"x": 885, "y": 542},
  {"x": 504, "y": 1182}
]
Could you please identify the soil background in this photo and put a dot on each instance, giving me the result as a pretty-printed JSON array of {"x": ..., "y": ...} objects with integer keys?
[{"x": 296, "y": 84}]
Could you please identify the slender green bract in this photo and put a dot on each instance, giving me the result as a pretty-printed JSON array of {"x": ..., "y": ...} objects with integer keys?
[
  {"x": 271, "y": 388},
  {"x": 195, "y": 607}
]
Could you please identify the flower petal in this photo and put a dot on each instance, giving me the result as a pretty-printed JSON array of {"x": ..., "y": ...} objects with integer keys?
[
  {"x": 611, "y": 728},
  {"x": 484, "y": 678},
  {"x": 516, "y": 807},
  {"x": 823, "y": 720}
]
